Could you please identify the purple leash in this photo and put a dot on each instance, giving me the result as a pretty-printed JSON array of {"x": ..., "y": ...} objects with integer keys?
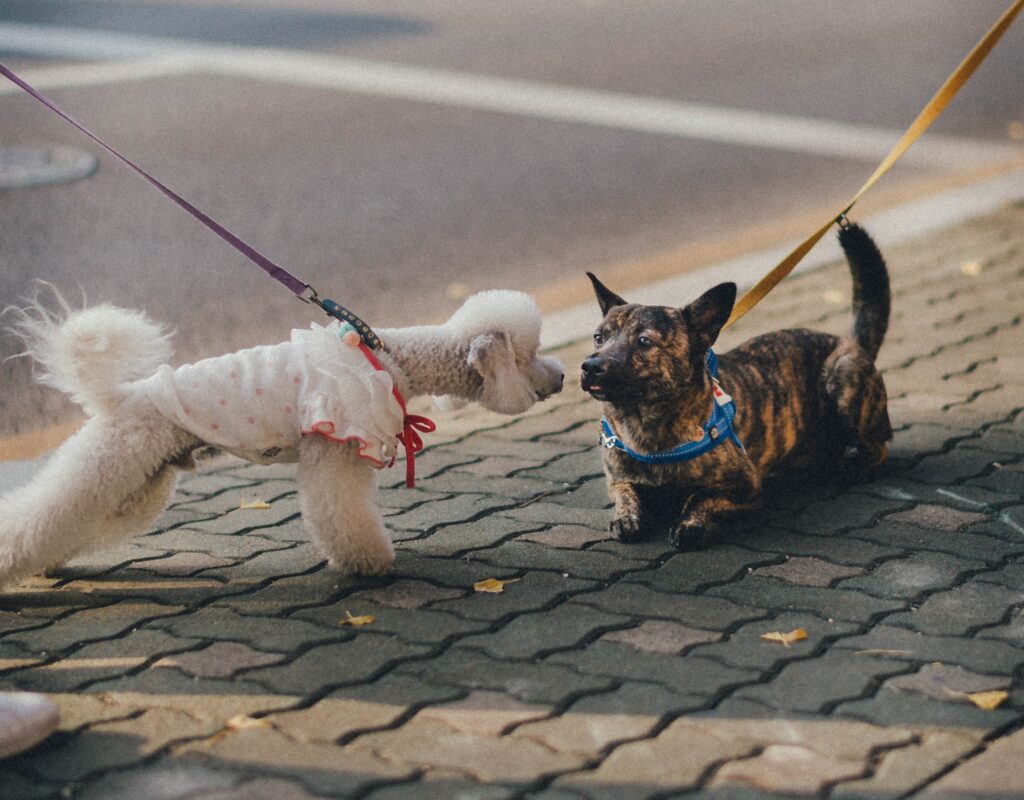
[{"x": 303, "y": 291}]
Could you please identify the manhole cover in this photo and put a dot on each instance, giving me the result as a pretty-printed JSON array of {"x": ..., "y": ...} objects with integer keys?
[{"x": 37, "y": 166}]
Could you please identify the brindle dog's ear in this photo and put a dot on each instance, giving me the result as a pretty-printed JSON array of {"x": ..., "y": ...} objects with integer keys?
[
  {"x": 606, "y": 298},
  {"x": 706, "y": 315}
]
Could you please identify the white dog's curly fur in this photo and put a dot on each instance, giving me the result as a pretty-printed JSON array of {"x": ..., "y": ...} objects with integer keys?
[{"x": 113, "y": 477}]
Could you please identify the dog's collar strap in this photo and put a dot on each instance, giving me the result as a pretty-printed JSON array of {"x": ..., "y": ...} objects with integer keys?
[{"x": 717, "y": 430}]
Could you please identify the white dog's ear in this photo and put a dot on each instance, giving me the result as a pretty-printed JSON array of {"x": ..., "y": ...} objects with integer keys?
[
  {"x": 448, "y": 402},
  {"x": 506, "y": 389}
]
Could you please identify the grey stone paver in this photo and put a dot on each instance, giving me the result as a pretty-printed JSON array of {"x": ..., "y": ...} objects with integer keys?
[{"x": 207, "y": 659}]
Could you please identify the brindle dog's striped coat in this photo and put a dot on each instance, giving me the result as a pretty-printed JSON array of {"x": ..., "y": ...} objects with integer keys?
[{"x": 802, "y": 397}]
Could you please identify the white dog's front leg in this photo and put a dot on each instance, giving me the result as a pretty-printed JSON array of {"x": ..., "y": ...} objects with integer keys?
[{"x": 337, "y": 494}]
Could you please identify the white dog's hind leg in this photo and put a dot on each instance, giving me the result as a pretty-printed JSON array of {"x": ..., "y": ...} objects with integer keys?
[
  {"x": 107, "y": 481},
  {"x": 337, "y": 493}
]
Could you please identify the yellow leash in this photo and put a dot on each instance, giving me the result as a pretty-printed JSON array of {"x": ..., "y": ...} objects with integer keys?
[{"x": 924, "y": 120}]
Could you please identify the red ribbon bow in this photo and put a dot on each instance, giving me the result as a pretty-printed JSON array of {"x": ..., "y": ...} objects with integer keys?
[
  {"x": 410, "y": 439},
  {"x": 412, "y": 424}
]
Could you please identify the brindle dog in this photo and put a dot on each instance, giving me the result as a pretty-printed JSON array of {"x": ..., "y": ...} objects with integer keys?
[{"x": 802, "y": 398}]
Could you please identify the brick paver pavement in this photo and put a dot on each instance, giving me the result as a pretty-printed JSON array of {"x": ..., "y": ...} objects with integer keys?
[{"x": 207, "y": 659}]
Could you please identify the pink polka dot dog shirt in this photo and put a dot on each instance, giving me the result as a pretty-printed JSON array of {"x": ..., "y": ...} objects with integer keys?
[{"x": 258, "y": 403}]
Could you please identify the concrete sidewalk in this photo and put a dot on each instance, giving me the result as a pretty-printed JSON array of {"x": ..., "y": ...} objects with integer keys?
[{"x": 207, "y": 659}]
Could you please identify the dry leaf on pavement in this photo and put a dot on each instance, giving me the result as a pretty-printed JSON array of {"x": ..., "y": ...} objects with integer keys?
[
  {"x": 986, "y": 701},
  {"x": 785, "y": 638},
  {"x": 492, "y": 585},
  {"x": 356, "y": 622},
  {"x": 259, "y": 505}
]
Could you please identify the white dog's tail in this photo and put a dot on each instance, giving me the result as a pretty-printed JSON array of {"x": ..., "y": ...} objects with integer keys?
[{"x": 90, "y": 353}]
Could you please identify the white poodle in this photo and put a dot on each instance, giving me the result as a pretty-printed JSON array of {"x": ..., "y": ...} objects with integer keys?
[{"x": 322, "y": 399}]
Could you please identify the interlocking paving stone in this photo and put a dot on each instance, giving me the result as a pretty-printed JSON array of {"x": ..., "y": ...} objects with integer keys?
[
  {"x": 484, "y": 713},
  {"x": 688, "y": 675},
  {"x": 691, "y": 572},
  {"x": 906, "y": 578},
  {"x": 569, "y": 537},
  {"x": 832, "y": 603},
  {"x": 100, "y": 660},
  {"x": 352, "y": 710},
  {"x": 903, "y": 769},
  {"x": 711, "y": 613},
  {"x": 471, "y": 536},
  {"x": 817, "y": 684},
  {"x": 92, "y": 624},
  {"x": 324, "y": 768},
  {"x": 920, "y": 438},
  {"x": 531, "y": 635},
  {"x": 660, "y": 636},
  {"x": 219, "y": 660},
  {"x": 979, "y": 654},
  {"x": 460, "y": 508},
  {"x": 937, "y": 517},
  {"x": 832, "y": 516},
  {"x": 843, "y": 550},
  {"x": 957, "y": 465},
  {"x": 965, "y": 544},
  {"x": 788, "y": 769},
  {"x": 548, "y": 512},
  {"x": 944, "y": 682},
  {"x": 267, "y": 633},
  {"x": 889, "y": 706},
  {"x": 407, "y": 594},
  {"x": 745, "y": 648},
  {"x": 165, "y": 780},
  {"x": 431, "y": 741},
  {"x": 991, "y": 773},
  {"x": 542, "y": 682},
  {"x": 425, "y": 627},
  {"x": 440, "y": 785},
  {"x": 512, "y": 489},
  {"x": 960, "y": 610},
  {"x": 808, "y": 571},
  {"x": 327, "y": 665},
  {"x": 183, "y": 563},
  {"x": 531, "y": 592},
  {"x": 593, "y": 564},
  {"x": 215, "y": 544},
  {"x": 1007, "y": 478}
]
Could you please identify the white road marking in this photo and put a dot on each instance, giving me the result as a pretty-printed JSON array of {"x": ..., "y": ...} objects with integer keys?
[{"x": 155, "y": 57}]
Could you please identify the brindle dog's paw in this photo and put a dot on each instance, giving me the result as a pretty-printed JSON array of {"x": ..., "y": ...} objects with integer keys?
[
  {"x": 626, "y": 529},
  {"x": 689, "y": 536}
]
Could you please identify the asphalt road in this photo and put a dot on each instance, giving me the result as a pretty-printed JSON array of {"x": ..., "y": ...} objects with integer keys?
[{"x": 523, "y": 143}]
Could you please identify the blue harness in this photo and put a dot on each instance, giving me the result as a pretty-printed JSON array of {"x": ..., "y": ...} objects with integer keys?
[{"x": 717, "y": 430}]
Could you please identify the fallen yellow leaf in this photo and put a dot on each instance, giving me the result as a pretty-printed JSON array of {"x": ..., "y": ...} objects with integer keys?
[
  {"x": 492, "y": 585},
  {"x": 986, "y": 701},
  {"x": 255, "y": 504},
  {"x": 355, "y": 622},
  {"x": 785, "y": 638},
  {"x": 971, "y": 269}
]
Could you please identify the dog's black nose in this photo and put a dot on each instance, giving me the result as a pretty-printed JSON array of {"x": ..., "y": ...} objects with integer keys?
[{"x": 593, "y": 367}]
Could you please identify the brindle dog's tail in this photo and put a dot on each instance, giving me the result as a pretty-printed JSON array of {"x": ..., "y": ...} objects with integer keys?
[{"x": 870, "y": 288}]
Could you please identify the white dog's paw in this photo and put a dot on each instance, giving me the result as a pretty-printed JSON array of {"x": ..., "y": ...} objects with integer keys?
[{"x": 363, "y": 564}]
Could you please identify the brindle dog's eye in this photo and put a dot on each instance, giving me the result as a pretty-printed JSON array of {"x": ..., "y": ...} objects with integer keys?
[
  {"x": 598, "y": 340},
  {"x": 643, "y": 341}
]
